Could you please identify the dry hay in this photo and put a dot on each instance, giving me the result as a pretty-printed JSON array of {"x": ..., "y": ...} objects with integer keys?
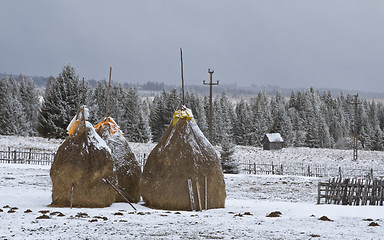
[
  {"x": 125, "y": 165},
  {"x": 82, "y": 161},
  {"x": 274, "y": 214},
  {"x": 182, "y": 153},
  {"x": 374, "y": 224},
  {"x": 325, "y": 218}
]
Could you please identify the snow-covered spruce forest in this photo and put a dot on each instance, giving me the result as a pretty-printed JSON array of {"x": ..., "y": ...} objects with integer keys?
[{"x": 307, "y": 118}]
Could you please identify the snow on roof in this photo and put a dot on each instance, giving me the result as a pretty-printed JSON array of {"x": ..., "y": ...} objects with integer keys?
[{"x": 274, "y": 137}]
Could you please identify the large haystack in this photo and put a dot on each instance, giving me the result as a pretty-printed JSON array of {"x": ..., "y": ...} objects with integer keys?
[
  {"x": 183, "y": 153},
  {"x": 125, "y": 165},
  {"x": 80, "y": 165}
]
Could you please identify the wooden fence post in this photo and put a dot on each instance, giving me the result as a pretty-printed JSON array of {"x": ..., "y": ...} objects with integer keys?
[
  {"x": 9, "y": 155},
  {"x": 344, "y": 200}
]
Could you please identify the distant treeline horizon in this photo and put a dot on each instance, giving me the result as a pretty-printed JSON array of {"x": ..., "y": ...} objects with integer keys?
[{"x": 232, "y": 89}]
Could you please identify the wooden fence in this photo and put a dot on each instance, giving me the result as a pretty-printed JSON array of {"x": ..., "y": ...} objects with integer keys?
[
  {"x": 351, "y": 192},
  {"x": 26, "y": 156},
  {"x": 309, "y": 170},
  {"x": 29, "y": 156}
]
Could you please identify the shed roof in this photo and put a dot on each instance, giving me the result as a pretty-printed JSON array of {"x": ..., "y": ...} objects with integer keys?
[{"x": 274, "y": 137}]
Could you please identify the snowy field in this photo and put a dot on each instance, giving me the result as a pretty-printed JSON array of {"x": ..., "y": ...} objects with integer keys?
[{"x": 250, "y": 198}]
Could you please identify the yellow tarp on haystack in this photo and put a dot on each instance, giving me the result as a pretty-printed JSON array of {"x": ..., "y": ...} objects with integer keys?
[{"x": 183, "y": 113}]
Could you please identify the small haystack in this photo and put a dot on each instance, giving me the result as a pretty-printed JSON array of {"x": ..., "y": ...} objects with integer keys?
[
  {"x": 125, "y": 165},
  {"x": 80, "y": 166},
  {"x": 175, "y": 172}
]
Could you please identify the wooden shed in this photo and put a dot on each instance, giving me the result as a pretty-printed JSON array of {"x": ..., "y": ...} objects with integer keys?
[{"x": 272, "y": 141}]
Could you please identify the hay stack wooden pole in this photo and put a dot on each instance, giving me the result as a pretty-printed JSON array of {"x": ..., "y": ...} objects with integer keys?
[
  {"x": 206, "y": 192},
  {"x": 82, "y": 99},
  {"x": 198, "y": 195},
  {"x": 83, "y": 103},
  {"x": 109, "y": 92},
  {"x": 119, "y": 192},
  {"x": 182, "y": 75},
  {"x": 191, "y": 197},
  {"x": 72, "y": 188}
]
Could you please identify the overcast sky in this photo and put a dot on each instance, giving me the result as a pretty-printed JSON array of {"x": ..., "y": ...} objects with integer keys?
[{"x": 289, "y": 43}]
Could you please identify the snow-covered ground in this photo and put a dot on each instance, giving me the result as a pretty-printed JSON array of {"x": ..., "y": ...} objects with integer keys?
[
  {"x": 34, "y": 143},
  {"x": 320, "y": 156},
  {"x": 250, "y": 198}
]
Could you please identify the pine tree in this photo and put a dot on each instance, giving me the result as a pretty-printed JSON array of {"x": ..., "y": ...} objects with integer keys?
[
  {"x": 262, "y": 117},
  {"x": 228, "y": 164},
  {"x": 136, "y": 128},
  {"x": 243, "y": 124},
  {"x": 223, "y": 119},
  {"x": 60, "y": 104},
  {"x": 193, "y": 102},
  {"x": 158, "y": 120},
  {"x": 12, "y": 119},
  {"x": 377, "y": 136},
  {"x": 281, "y": 122},
  {"x": 98, "y": 102}
]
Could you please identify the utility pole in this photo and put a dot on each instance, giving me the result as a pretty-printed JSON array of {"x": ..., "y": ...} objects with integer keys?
[
  {"x": 210, "y": 101},
  {"x": 355, "y": 135}
]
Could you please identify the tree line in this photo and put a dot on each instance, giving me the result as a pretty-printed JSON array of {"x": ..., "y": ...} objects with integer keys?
[{"x": 308, "y": 118}]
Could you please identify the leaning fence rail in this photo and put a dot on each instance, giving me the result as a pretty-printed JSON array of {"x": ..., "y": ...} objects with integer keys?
[{"x": 26, "y": 156}]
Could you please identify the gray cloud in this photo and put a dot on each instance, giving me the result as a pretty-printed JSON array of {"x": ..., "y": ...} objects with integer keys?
[{"x": 328, "y": 43}]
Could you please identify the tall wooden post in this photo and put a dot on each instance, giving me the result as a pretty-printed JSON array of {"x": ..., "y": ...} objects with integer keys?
[
  {"x": 210, "y": 101},
  {"x": 82, "y": 99},
  {"x": 182, "y": 75},
  {"x": 109, "y": 92}
]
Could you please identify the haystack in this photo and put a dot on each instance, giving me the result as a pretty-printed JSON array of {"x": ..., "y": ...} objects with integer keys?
[
  {"x": 80, "y": 166},
  {"x": 183, "y": 153},
  {"x": 125, "y": 165}
]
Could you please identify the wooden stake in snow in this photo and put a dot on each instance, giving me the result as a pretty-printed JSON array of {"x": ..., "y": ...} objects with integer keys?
[
  {"x": 109, "y": 92},
  {"x": 198, "y": 195},
  {"x": 119, "y": 192},
  {"x": 191, "y": 198},
  {"x": 206, "y": 192},
  {"x": 73, "y": 186}
]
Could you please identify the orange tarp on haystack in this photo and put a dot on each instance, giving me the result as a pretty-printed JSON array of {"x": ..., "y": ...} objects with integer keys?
[{"x": 112, "y": 125}]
